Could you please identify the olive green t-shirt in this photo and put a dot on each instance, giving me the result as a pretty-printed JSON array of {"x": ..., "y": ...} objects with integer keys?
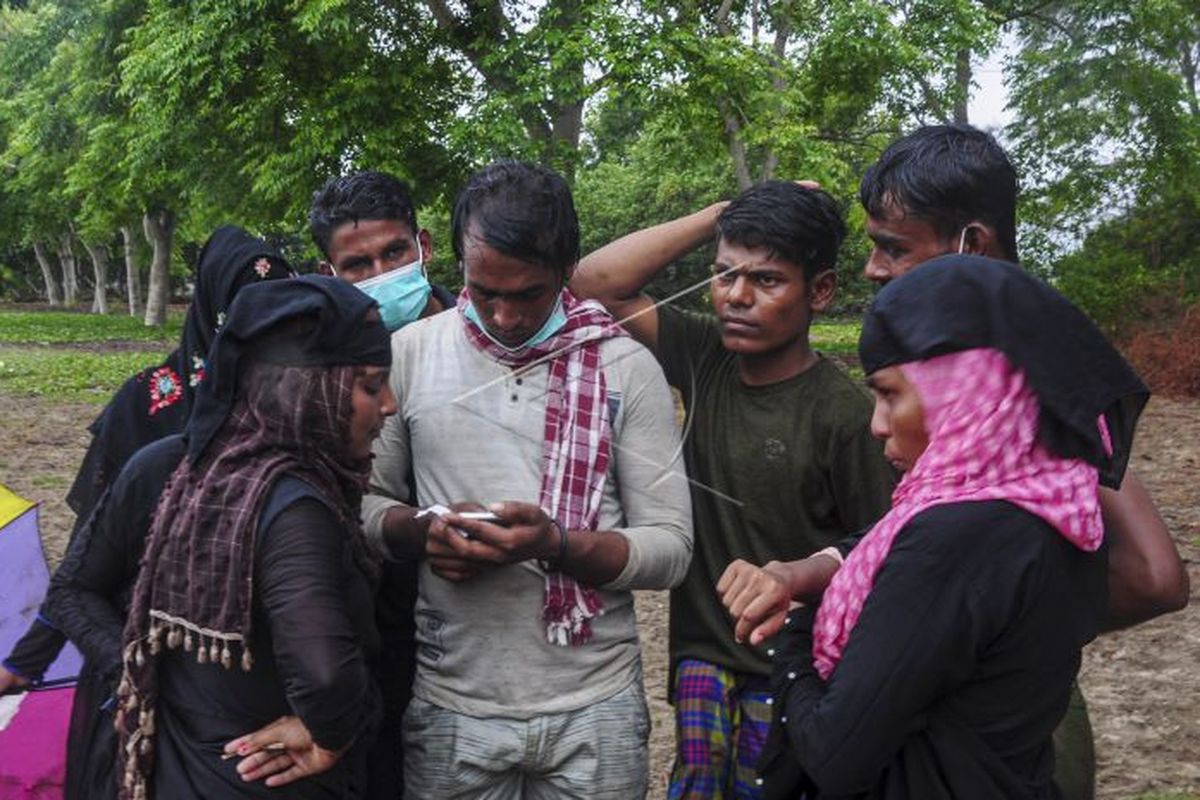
[{"x": 778, "y": 472}]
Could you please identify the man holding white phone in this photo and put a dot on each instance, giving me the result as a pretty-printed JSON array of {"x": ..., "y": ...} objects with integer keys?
[{"x": 529, "y": 668}]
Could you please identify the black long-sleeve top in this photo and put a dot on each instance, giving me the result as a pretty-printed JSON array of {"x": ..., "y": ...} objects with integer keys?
[
  {"x": 956, "y": 673},
  {"x": 89, "y": 593},
  {"x": 314, "y": 632},
  {"x": 312, "y": 617}
]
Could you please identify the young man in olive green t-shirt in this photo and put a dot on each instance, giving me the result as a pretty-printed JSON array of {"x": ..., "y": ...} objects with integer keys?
[{"x": 778, "y": 443}]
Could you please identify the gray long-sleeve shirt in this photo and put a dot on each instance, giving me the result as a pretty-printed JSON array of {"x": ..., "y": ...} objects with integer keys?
[{"x": 467, "y": 430}]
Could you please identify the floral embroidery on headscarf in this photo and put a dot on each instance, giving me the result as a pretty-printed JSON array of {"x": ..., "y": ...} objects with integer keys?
[
  {"x": 262, "y": 267},
  {"x": 165, "y": 389},
  {"x": 197, "y": 372}
]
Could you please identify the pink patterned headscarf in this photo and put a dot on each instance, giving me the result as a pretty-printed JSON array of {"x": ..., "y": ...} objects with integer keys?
[{"x": 982, "y": 421}]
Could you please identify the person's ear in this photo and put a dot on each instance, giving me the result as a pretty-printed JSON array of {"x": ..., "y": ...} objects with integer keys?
[
  {"x": 979, "y": 239},
  {"x": 426, "y": 242},
  {"x": 325, "y": 268},
  {"x": 821, "y": 290}
]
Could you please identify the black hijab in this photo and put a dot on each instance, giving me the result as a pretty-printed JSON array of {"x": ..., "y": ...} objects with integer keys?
[
  {"x": 962, "y": 302},
  {"x": 332, "y": 333},
  {"x": 156, "y": 402},
  {"x": 279, "y": 402}
]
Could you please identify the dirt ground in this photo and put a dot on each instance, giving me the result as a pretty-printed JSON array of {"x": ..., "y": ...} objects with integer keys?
[{"x": 1142, "y": 685}]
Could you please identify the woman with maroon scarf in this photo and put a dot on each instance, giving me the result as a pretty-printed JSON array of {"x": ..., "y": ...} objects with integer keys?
[
  {"x": 255, "y": 593},
  {"x": 941, "y": 656}
]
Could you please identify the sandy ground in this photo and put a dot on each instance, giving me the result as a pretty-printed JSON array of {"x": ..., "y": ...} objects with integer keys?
[{"x": 1143, "y": 685}]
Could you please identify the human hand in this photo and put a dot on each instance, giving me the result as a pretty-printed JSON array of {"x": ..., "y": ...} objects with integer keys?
[
  {"x": 443, "y": 550},
  {"x": 808, "y": 184},
  {"x": 523, "y": 532},
  {"x": 11, "y": 680},
  {"x": 281, "y": 752},
  {"x": 757, "y": 598}
]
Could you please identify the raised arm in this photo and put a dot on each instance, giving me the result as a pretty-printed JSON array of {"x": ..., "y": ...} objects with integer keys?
[
  {"x": 616, "y": 273},
  {"x": 1146, "y": 577}
]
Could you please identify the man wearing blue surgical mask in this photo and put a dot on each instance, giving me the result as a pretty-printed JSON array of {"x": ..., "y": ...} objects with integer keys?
[
  {"x": 528, "y": 400},
  {"x": 366, "y": 227}
]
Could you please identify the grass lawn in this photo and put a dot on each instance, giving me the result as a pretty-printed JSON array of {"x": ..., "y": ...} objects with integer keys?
[
  {"x": 65, "y": 327},
  {"x": 34, "y": 362},
  {"x": 836, "y": 338},
  {"x": 70, "y": 375}
]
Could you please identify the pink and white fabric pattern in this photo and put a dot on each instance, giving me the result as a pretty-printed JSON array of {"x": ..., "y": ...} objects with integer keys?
[
  {"x": 982, "y": 422},
  {"x": 576, "y": 444}
]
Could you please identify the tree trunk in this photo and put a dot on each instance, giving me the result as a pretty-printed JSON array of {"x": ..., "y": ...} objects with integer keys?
[
  {"x": 783, "y": 30},
  {"x": 737, "y": 148},
  {"x": 47, "y": 274},
  {"x": 159, "y": 227},
  {"x": 66, "y": 257},
  {"x": 962, "y": 85},
  {"x": 99, "y": 255},
  {"x": 133, "y": 280},
  {"x": 729, "y": 115}
]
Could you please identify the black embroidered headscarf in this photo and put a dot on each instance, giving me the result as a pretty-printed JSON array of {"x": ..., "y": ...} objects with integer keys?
[
  {"x": 278, "y": 401},
  {"x": 961, "y": 302},
  {"x": 156, "y": 402}
]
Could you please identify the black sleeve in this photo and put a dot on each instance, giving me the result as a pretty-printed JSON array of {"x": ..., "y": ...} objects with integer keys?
[
  {"x": 916, "y": 640},
  {"x": 82, "y": 599},
  {"x": 35, "y": 651},
  {"x": 848, "y": 543},
  {"x": 86, "y": 596},
  {"x": 300, "y": 579}
]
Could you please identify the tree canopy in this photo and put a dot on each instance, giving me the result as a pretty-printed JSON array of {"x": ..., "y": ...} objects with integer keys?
[{"x": 140, "y": 125}]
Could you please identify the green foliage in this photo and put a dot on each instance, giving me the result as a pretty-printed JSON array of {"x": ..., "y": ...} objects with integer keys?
[
  {"x": 1108, "y": 117},
  {"x": 837, "y": 337},
  {"x": 69, "y": 375},
  {"x": 49, "y": 327},
  {"x": 1142, "y": 265}
]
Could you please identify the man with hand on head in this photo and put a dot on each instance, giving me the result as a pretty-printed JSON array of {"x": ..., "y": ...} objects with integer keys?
[
  {"x": 778, "y": 447},
  {"x": 529, "y": 669}
]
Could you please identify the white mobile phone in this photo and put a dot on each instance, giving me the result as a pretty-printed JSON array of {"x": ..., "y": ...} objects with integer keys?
[{"x": 482, "y": 516}]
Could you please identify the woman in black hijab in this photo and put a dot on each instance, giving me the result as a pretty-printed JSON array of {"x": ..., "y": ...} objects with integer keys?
[
  {"x": 155, "y": 402},
  {"x": 253, "y": 600},
  {"x": 942, "y": 654}
]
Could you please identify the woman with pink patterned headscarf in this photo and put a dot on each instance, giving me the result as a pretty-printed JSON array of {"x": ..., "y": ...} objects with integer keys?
[{"x": 941, "y": 656}]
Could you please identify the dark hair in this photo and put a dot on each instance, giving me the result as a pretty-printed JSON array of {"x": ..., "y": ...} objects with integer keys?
[
  {"x": 947, "y": 175},
  {"x": 801, "y": 226},
  {"x": 361, "y": 196},
  {"x": 524, "y": 211}
]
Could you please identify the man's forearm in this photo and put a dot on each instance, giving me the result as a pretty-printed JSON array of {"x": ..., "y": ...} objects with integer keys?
[
  {"x": 404, "y": 533},
  {"x": 592, "y": 557},
  {"x": 620, "y": 269}
]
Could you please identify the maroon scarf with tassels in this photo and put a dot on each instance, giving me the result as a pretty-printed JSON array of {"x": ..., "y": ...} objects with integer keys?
[{"x": 195, "y": 587}]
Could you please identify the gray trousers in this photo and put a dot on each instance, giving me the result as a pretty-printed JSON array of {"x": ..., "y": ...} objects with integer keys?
[{"x": 599, "y": 752}]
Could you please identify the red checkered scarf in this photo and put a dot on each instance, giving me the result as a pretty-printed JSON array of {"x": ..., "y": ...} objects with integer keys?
[
  {"x": 983, "y": 445},
  {"x": 576, "y": 443}
]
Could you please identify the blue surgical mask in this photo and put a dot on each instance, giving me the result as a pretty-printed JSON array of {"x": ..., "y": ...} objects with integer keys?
[
  {"x": 402, "y": 293},
  {"x": 552, "y": 325}
]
